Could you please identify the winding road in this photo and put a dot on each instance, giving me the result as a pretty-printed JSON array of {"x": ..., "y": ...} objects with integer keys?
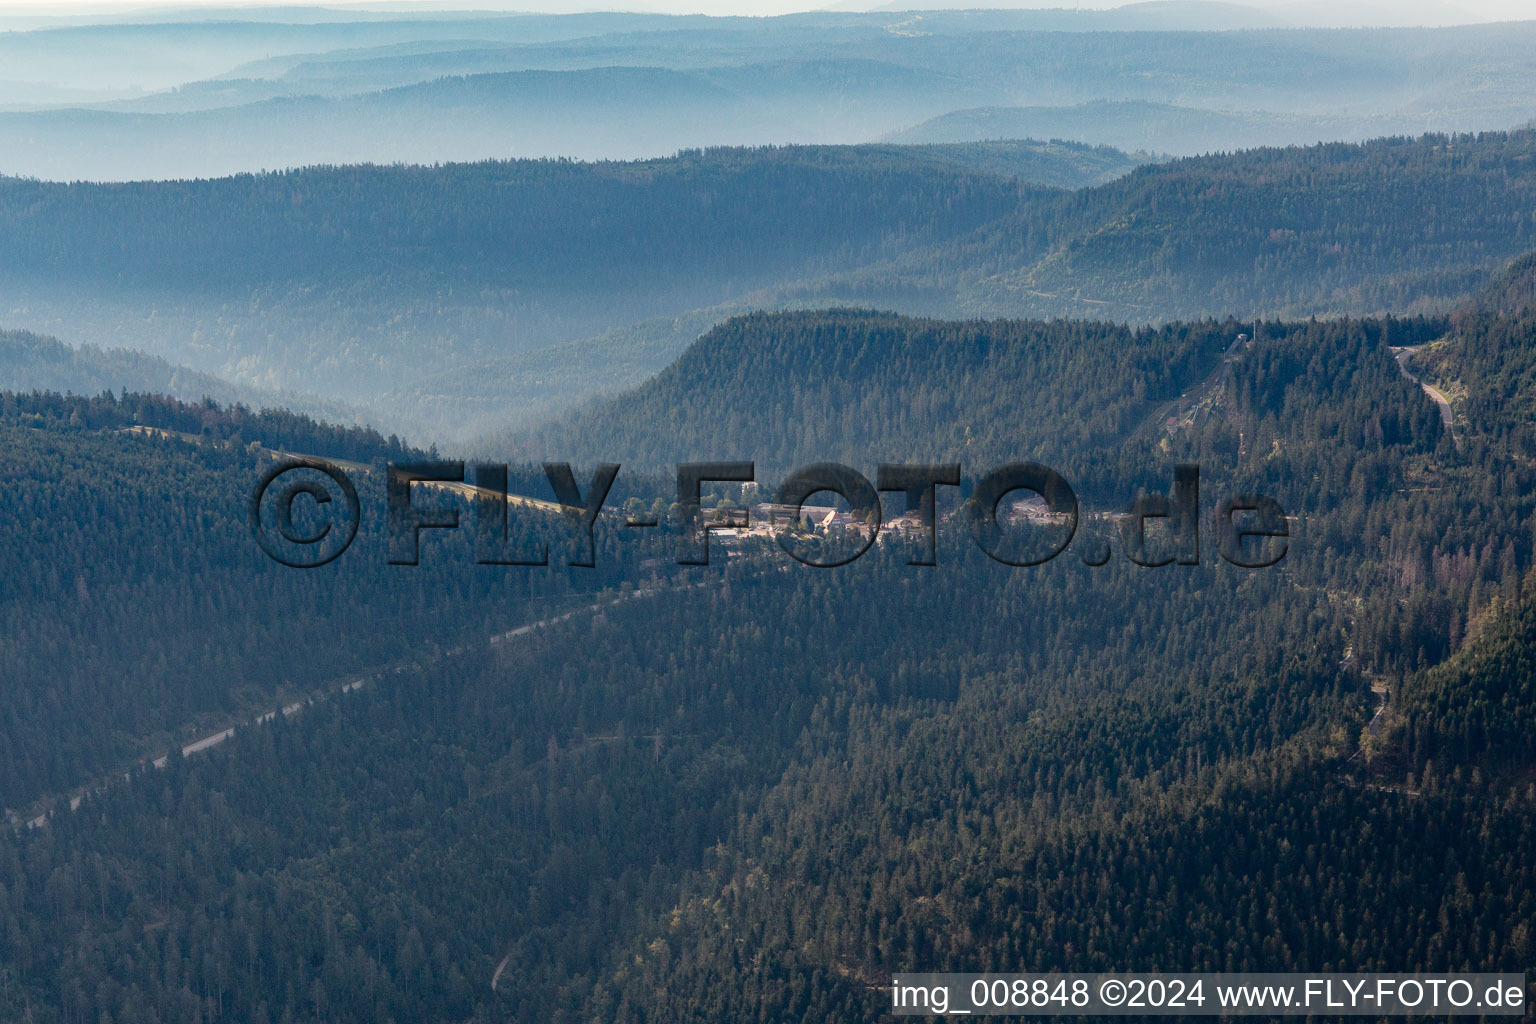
[{"x": 1435, "y": 394}]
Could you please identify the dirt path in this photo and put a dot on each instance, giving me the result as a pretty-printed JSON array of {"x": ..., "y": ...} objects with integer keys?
[
  {"x": 499, "y": 968},
  {"x": 1373, "y": 727}
]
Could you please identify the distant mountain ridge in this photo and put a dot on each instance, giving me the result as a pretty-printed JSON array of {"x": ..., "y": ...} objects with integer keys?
[
  {"x": 1154, "y": 127},
  {"x": 428, "y": 90}
]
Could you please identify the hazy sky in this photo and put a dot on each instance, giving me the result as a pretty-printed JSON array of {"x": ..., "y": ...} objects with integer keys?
[{"x": 1440, "y": 11}]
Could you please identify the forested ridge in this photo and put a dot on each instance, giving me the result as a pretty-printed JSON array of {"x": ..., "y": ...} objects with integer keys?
[
  {"x": 1170, "y": 128},
  {"x": 756, "y": 797},
  {"x": 483, "y": 272},
  {"x": 31, "y": 362},
  {"x": 788, "y": 389},
  {"x": 542, "y": 221},
  {"x": 422, "y": 269},
  {"x": 1293, "y": 231},
  {"x": 226, "y": 426}
]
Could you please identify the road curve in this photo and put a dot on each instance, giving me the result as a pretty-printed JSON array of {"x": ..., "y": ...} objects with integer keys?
[{"x": 1435, "y": 394}]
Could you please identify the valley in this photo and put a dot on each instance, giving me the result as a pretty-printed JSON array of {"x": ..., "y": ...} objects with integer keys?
[{"x": 1256, "y": 281}]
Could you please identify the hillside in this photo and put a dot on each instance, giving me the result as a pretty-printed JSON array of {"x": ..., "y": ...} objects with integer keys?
[
  {"x": 790, "y": 389},
  {"x": 1290, "y": 232},
  {"x": 1487, "y": 363},
  {"x": 419, "y": 270},
  {"x": 132, "y": 552},
  {"x": 1100, "y": 401},
  {"x": 431, "y": 275},
  {"x": 29, "y": 362},
  {"x": 1478, "y": 709},
  {"x": 966, "y": 763}
]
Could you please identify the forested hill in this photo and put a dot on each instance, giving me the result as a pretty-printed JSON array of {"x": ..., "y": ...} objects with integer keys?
[
  {"x": 526, "y": 224},
  {"x": 30, "y": 362},
  {"x": 132, "y": 551},
  {"x": 1393, "y": 224},
  {"x": 788, "y": 389},
  {"x": 445, "y": 272},
  {"x": 206, "y": 422},
  {"x": 420, "y": 269},
  {"x": 1512, "y": 292},
  {"x": 757, "y": 796}
]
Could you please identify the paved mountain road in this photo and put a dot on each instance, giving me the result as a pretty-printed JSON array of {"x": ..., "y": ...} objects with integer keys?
[{"x": 1435, "y": 394}]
